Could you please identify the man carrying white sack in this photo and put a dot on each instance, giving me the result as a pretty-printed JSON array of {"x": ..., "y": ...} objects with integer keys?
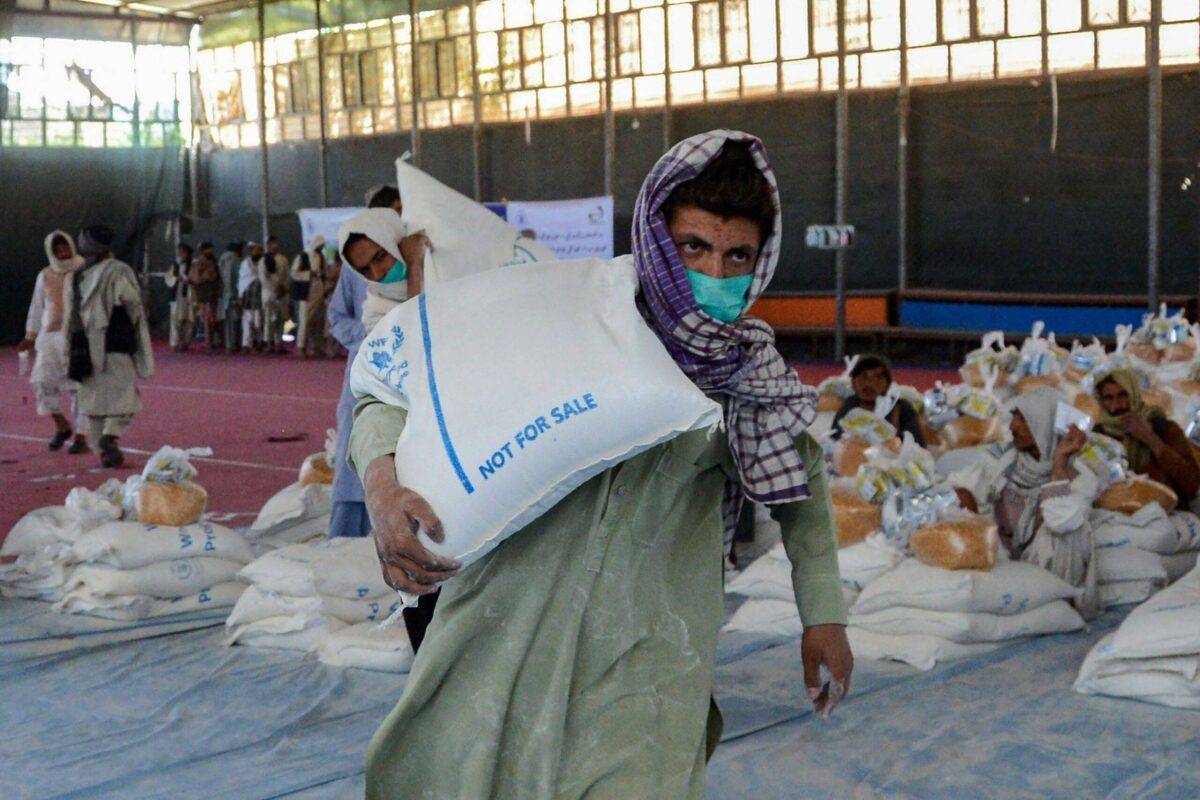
[
  {"x": 1041, "y": 503},
  {"x": 577, "y": 659},
  {"x": 46, "y": 335}
]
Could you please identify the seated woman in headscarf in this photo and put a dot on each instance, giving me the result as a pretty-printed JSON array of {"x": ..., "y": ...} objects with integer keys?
[
  {"x": 1042, "y": 505},
  {"x": 871, "y": 378},
  {"x": 577, "y": 659},
  {"x": 1156, "y": 446}
]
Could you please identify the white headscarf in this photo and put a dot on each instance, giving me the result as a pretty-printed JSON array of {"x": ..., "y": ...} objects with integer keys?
[
  {"x": 63, "y": 265},
  {"x": 1029, "y": 473},
  {"x": 383, "y": 227}
]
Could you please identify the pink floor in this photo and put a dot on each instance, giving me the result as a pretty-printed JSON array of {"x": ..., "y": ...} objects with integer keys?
[{"x": 234, "y": 404}]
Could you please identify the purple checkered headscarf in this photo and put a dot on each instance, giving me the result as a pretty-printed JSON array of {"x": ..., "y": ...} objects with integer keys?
[{"x": 766, "y": 404}]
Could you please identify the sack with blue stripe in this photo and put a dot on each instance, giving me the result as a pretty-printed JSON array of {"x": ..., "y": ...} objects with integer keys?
[{"x": 520, "y": 384}]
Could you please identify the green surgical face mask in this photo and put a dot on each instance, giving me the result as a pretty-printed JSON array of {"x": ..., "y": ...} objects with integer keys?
[
  {"x": 397, "y": 273},
  {"x": 722, "y": 298}
]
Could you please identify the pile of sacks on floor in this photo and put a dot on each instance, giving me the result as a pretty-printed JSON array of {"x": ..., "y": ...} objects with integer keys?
[
  {"x": 1139, "y": 553},
  {"x": 1154, "y": 656},
  {"x": 299, "y": 512},
  {"x": 327, "y": 598},
  {"x": 129, "y": 550}
]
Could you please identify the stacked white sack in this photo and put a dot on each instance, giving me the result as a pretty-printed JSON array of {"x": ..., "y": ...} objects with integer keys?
[
  {"x": 1154, "y": 656},
  {"x": 38, "y": 548},
  {"x": 128, "y": 570},
  {"x": 1138, "y": 554},
  {"x": 299, "y": 594},
  {"x": 770, "y": 576},
  {"x": 296, "y": 514},
  {"x": 921, "y": 614},
  {"x": 368, "y": 645}
]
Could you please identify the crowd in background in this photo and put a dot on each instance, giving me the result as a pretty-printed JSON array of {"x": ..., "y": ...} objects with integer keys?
[{"x": 253, "y": 298}]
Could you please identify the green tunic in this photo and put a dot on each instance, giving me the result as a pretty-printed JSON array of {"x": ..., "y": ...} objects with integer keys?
[{"x": 577, "y": 659}]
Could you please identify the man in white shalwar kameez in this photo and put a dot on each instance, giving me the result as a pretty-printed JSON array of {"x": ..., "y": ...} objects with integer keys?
[
  {"x": 46, "y": 335},
  {"x": 109, "y": 343}
]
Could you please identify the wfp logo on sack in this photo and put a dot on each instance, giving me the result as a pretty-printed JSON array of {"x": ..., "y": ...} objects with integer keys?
[
  {"x": 520, "y": 255},
  {"x": 182, "y": 570},
  {"x": 389, "y": 367}
]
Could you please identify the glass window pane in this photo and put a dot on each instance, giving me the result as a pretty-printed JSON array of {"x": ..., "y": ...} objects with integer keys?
[
  {"x": 654, "y": 56},
  {"x": 351, "y": 89},
  {"x": 683, "y": 53},
  {"x": 922, "y": 22},
  {"x": 956, "y": 19},
  {"x": 1024, "y": 17},
  {"x": 629, "y": 56},
  {"x": 762, "y": 30},
  {"x": 1138, "y": 10},
  {"x": 794, "y": 21},
  {"x": 1176, "y": 10},
  {"x": 825, "y": 26},
  {"x": 581, "y": 51},
  {"x": 737, "y": 31},
  {"x": 510, "y": 59},
  {"x": 1121, "y": 48},
  {"x": 885, "y": 24},
  {"x": 446, "y": 69},
  {"x": 858, "y": 18},
  {"x": 1019, "y": 56},
  {"x": 1104, "y": 12},
  {"x": 708, "y": 33},
  {"x": 972, "y": 61},
  {"x": 1063, "y": 16},
  {"x": 989, "y": 15},
  {"x": 1180, "y": 43},
  {"x": 427, "y": 71},
  {"x": 531, "y": 41},
  {"x": 1068, "y": 51}
]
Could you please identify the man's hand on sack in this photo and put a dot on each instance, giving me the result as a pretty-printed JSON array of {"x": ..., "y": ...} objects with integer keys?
[{"x": 397, "y": 514}]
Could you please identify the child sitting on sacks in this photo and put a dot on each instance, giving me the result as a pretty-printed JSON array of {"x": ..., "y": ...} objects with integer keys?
[
  {"x": 577, "y": 659},
  {"x": 871, "y": 377},
  {"x": 1156, "y": 446},
  {"x": 1041, "y": 503}
]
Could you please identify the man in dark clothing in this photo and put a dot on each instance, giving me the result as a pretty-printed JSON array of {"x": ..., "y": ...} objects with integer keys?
[{"x": 871, "y": 378}]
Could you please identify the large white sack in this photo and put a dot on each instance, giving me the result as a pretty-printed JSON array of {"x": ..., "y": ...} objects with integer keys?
[
  {"x": 860, "y": 564},
  {"x": 467, "y": 238},
  {"x": 1011, "y": 587},
  {"x": 921, "y": 651},
  {"x": 770, "y": 575},
  {"x": 255, "y": 605},
  {"x": 163, "y": 579},
  {"x": 1166, "y": 680},
  {"x": 1056, "y": 616},
  {"x": 1123, "y": 593},
  {"x": 1168, "y": 624},
  {"x": 1178, "y": 565},
  {"x": 135, "y": 607},
  {"x": 286, "y": 571},
  {"x": 1149, "y": 529},
  {"x": 284, "y": 633},
  {"x": 767, "y": 617},
  {"x": 521, "y": 384},
  {"x": 290, "y": 508},
  {"x": 348, "y": 567},
  {"x": 128, "y": 545},
  {"x": 37, "y": 576},
  {"x": 964, "y": 458},
  {"x": 38, "y": 529},
  {"x": 368, "y": 645},
  {"x": 1128, "y": 564}
]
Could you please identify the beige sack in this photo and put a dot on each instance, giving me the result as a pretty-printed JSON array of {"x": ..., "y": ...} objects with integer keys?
[
  {"x": 316, "y": 469},
  {"x": 967, "y": 431},
  {"x": 853, "y": 518},
  {"x": 849, "y": 454},
  {"x": 967, "y": 542},
  {"x": 1031, "y": 382},
  {"x": 1180, "y": 351},
  {"x": 829, "y": 402},
  {"x": 1130, "y": 495},
  {"x": 174, "y": 504},
  {"x": 973, "y": 376},
  {"x": 1159, "y": 399}
]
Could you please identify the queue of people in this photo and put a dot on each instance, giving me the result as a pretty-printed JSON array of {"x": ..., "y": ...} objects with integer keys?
[{"x": 253, "y": 298}]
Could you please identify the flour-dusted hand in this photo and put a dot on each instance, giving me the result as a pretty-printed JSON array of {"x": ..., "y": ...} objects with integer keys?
[
  {"x": 397, "y": 514},
  {"x": 826, "y": 646}
]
